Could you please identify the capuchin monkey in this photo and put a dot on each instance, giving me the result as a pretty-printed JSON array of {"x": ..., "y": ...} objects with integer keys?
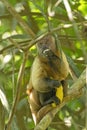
[{"x": 47, "y": 84}]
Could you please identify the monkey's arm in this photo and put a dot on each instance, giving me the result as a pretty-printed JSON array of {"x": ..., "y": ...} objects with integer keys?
[{"x": 43, "y": 84}]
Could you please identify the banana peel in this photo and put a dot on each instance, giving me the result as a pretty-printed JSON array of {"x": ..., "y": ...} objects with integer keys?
[{"x": 59, "y": 94}]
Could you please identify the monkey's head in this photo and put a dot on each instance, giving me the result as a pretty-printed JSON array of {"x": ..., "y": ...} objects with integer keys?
[{"x": 47, "y": 47}]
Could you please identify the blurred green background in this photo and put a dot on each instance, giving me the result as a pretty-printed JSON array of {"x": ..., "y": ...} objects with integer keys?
[{"x": 70, "y": 24}]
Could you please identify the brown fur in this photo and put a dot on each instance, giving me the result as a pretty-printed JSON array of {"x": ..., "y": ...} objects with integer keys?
[{"x": 41, "y": 68}]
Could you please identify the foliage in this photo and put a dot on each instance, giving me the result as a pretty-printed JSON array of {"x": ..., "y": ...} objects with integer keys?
[{"x": 19, "y": 31}]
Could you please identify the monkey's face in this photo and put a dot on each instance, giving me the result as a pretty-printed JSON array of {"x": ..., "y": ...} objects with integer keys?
[{"x": 46, "y": 47}]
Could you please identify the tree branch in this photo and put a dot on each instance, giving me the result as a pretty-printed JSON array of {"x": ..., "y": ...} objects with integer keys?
[
  {"x": 23, "y": 24},
  {"x": 73, "y": 93}
]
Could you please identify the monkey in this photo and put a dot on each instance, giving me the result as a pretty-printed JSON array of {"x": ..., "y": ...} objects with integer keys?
[
  {"x": 50, "y": 96},
  {"x": 48, "y": 78}
]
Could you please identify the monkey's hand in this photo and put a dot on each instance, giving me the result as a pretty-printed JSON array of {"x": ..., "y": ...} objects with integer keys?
[{"x": 54, "y": 100}]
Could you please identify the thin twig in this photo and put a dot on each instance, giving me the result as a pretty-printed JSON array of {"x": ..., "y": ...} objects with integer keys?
[
  {"x": 31, "y": 43},
  {"x": 15, "y": 44},
  {"x": 18, "y": 86},
  {"x": 70, "y": 15},
  {"x": 23, "y": 24}
]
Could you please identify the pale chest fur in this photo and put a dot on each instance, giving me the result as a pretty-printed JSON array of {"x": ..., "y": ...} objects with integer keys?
[{"x": 59, "y": 71}]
